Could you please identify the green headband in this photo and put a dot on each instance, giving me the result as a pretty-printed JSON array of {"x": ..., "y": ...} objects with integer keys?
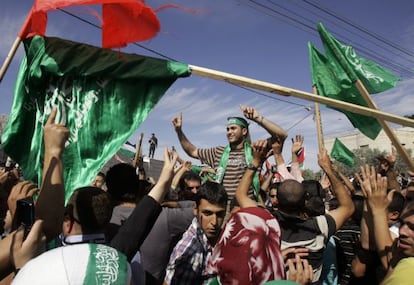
[{"x": 237, "y": 121}]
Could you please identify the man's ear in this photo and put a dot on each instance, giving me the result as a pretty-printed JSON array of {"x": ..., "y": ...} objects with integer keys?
[
  {"x": 195, "y": 210},
  {"x": 394, "y": 215},
  {"x": 67, "y": 225},
  {"x": 244, "y": 131}
]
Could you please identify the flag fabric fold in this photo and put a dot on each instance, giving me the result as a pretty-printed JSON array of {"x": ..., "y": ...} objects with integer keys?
[
  {"x": 332, "y": 81},
  {"x": 102, "y": 96},
  {"x": 123, "y": 21},
  {"x": 336, "y": 72},
  {"x": 375, "y": 78},
  {"x": 341, "y": 153}
]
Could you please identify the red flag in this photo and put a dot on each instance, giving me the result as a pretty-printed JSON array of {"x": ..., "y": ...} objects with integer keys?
[
  {"x": 123, "y": 21},
  {"x": 301, "y": 157},
  {"x": 35, "y": 24}
]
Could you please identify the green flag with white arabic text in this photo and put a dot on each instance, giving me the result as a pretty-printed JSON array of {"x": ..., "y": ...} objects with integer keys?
[
  {"x": 334, "y": 83},
  {"x": 341, "y": 153},
  {"x": 375, "y": 78},
  {"x": 102, "y": 97}
]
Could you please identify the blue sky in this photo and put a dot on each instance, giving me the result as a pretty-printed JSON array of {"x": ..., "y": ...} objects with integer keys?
[{"x": 252, "y": 39}]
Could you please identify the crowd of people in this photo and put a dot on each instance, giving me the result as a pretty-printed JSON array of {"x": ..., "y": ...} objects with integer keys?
[{"x": 224, "y": 223}]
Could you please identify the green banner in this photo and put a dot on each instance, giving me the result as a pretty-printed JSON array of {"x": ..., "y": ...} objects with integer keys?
[{"x": 102, "y": 96}]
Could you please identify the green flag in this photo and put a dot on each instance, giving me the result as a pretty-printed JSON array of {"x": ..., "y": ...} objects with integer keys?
[
  {"x": 341, "y": 153},
  {"x": 333, "y": 82},
  {"x": 102, "y": 96},
  {"x": 375, "y": 78}
]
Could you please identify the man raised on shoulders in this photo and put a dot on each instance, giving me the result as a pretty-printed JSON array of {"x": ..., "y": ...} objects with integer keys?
[{"x": 232, "y": 160}]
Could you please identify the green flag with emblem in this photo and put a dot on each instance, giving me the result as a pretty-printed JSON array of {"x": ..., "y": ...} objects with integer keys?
[{"x": 102, "y": 96}]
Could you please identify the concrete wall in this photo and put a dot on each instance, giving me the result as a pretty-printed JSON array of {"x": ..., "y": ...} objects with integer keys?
[{"x": 356, "y": 140}]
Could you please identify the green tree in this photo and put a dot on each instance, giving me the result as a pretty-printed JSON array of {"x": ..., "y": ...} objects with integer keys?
[{"x": 369, "y": 156}]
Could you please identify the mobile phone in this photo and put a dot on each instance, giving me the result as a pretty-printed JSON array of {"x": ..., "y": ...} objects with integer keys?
[{"x": 25, "y": 214}]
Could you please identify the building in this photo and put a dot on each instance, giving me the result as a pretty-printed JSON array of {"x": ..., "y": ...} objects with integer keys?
[
  {"x": 356, "y": 140},
  {"x": 152, "y": 167}
]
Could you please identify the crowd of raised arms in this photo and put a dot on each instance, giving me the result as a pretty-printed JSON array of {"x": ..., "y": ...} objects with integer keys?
[{"x": 223, "y": 223}]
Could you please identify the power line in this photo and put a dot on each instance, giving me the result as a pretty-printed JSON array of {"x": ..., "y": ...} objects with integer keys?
[
  {"x": 98, "y": 27},
  {"x": 298, "y": 122},
  {"x": 370, "y": 53},
  {"x": 350, "y": 31},
  {"x": 169, "y": 58},
  {"x": 362, "y": 29}
]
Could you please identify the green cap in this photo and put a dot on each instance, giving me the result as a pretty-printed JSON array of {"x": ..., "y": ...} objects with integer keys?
[{"x": 237, "y": 121}]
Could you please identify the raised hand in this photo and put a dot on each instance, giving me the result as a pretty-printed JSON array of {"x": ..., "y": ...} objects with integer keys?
[
  {"x": 178, "y": 121},
  {"x": 324, "y": 160},
  {"x": 55, "y": 135},
  {"x": 297, "y": 143},
  {"x": 300, "y": 271},
  {"x": 21, "y": 190},
  {"x": 250, "y": 113},
  {"x": 392, "y": 157},
  {"x": 170, "y": 159},
  {"x": 374, "y": 187},
  {"x": 24, "y": 250},
  {"x": 277, "y": 147},
  {"x": 324, "y": 181},
  {"x": 259, "y": 152}
]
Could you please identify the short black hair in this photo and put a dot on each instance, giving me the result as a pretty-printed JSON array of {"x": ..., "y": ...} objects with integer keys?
[
  {"x": 313, "y": 188},
  {"x": 213, "y": 192},
  {"x": 274, "y": 185},
  {"x": 123, "y": 183},
  {"x": 397, "y": 203},
  {"x": 91, "y": 207},
  {"x": 358, "y": 201},
  {"x": 315, "y": 206},
  {"x": 188, "y": 175},
  {"x": 101, "y": 174}
]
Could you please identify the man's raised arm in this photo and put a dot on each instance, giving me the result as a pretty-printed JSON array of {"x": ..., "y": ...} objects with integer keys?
[
  {"x": 274, "y": 130},
  {"x": 259, "y": 155},
  {"x": 188, "y": 147},
  {"x": 346, "y": 206},
  {"x": 50, "y": 204}
]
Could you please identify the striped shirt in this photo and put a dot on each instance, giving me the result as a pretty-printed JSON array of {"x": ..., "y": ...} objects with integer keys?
[
  {"x": 236, "y": 166},
  {"x": 347, "y": 241}
]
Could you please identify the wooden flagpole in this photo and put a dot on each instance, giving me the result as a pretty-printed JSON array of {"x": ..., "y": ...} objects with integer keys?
[
  {"x": 273, "y": 88},
  {"x": 15, "y": 46},
  {"x": 390, "y": 133},
  {"x": 285, "y": 91},
  {"x": 10, "y": 55},
  {"x": 138, "y": 147},
  {"x": 318, "y": 121}
]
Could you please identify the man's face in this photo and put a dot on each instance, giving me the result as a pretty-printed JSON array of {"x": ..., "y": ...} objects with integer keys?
[
  {"x": 406, "y": 238},
  {"x": 235, "y": 134},
  {"x": 192, "y": 186},
  {"x": 190, "y": 190},
  {"x": 273, "y": 197},
  {"x": 383, "y": 167},
  {"x": 98, "y": 182},
  {"x": 210, "y": 217}
]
